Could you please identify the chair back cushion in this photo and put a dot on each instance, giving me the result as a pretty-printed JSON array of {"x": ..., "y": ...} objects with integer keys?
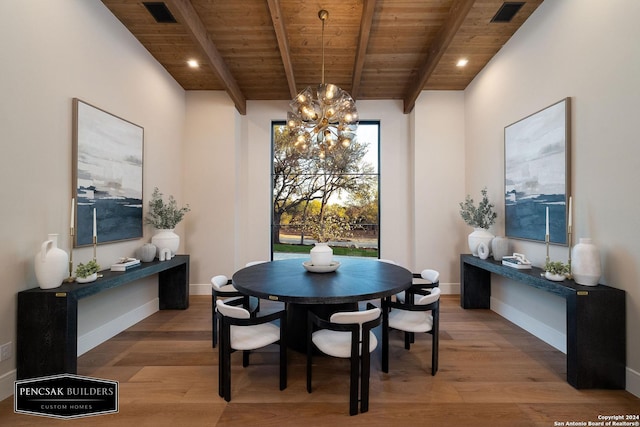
[
  {"x": 355, "y": 316},
  {"x": 219, "y": 281},
  {"x": 231, "y": 311},
  {"x": 430, "y": 275},
  {"x": 428, "y": 299}
]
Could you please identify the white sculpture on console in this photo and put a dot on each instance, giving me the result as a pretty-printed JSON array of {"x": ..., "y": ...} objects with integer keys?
[{"x": 165, "y": 254}]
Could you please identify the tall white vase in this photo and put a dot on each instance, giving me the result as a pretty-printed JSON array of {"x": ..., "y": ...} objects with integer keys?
[
  {"x": 479, "y": 235},
  {"x": 166, "y": 238},
  {"x": 51, "y": 264},
  {"x": 585, "y": 263},
  {"x": 321, "y": 254}
]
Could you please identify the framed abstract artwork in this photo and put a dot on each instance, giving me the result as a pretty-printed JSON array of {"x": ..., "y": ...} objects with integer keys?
[
  {"x": 537, "y": 160},
  {"x": 106, "y": 176}
]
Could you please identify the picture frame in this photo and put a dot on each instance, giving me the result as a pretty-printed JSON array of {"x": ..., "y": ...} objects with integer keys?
[
  {"x": 537, "y": 174},
  {"x": 106, "y": 176}
]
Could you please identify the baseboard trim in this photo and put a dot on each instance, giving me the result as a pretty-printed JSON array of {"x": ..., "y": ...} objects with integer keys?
[
  {"x": 200, "y": 289},
  {"x": 112, "y": 328},
  {"x": 6, "y": 384},
  {"x": 547, "y": 334},
  {"x": 633, "y": 382}
]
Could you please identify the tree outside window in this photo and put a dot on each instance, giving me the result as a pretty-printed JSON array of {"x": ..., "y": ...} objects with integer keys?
[{"x": 333, "y": 199}]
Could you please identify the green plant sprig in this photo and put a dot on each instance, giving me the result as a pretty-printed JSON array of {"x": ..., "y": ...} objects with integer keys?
[
  {"x": 482, "y": 216},
  {"x": 163, "y": 215},
  {"x": 557, "y": 267},
  {"x": 86, "y": 270}
]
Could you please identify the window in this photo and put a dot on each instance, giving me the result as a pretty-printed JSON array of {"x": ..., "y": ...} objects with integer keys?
[{"x": 335, "y": 198}]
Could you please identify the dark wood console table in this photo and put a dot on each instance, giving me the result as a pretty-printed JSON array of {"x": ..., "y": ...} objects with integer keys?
[
  {"x": 47, "y": 339},
  {"x": 596, "y": 319}
]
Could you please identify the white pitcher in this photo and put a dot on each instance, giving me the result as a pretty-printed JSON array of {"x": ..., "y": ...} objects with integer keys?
[{"x": 51, "y": 264}]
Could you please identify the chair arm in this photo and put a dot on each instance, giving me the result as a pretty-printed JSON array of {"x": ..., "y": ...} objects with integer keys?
[
  {"x": 367, "y": 326},
  {"x": 325, "y": 324},
  {"x": 254, "y": 320},
  {"x": 238, "y": 300},
  {"x": 228, "y": 293},
  {"x": 424, "y": 285},
  {"x": 409, "y": 305}
]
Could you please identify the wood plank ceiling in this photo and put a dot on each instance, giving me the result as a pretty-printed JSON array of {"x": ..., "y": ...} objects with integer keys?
[{"x": 272, "y": 49}]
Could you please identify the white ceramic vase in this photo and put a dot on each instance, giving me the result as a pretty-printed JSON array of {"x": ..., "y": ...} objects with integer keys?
[
  {"x": 500, "y": 248},
  {"x": 479, "y": 235},
  {"x": 585, "y": 263},
  {"x": 321, "y": 254},
  {"x": 166, "y": 239},
  {"x": 147, "y": 252},
  {"x": 51, "y": 264}
]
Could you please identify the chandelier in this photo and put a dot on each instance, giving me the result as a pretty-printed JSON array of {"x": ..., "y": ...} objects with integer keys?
[{"x": 323, "y": 119}]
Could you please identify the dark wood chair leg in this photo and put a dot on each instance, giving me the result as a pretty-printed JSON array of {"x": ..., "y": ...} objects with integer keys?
[
  {"x": 227, "y": 375},
  {"x": 364, "y": 381},
  {"x": 309, "y": 354},
  {"x": 245, "y": 358},
  {"x": 385, "y": 337},
  {"x": 214, "y": 321},
  {"x": 435, "y": 331},
  {"x": 221, "y": 370},
  {"x": 353, "y": 385},
  {"x": 283, "y": 354}
]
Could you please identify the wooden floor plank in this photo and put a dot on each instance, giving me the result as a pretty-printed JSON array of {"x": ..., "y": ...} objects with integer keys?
[{"x": 492, "y": 373}]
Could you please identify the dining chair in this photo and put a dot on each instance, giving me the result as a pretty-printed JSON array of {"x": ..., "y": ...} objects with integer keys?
[
  {"x": 221, "y": 286},
  {"x": 420, "y": 315},
  {"x": 346, "y": 335},
  {"x": 239, "y": 331},
  {"x": 432, "y": 277}
]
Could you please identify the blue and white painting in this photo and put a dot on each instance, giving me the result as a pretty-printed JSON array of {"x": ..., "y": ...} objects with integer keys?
[
  {"x": 108, "y": 176},
  {"x": 536, "y": 175}
]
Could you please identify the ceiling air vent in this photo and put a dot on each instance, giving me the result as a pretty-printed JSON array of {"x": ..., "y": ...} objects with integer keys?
[
  {"x": 160, "y": 12},
  {"x": 507, "y": 11}
]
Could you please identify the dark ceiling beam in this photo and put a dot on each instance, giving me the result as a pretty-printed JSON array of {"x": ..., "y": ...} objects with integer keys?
[
  {"x": 459, "y": 11},
  {"x": 363, "y": 41},
  {"x": 185, "y": 13},
  {"x": 283, "y": 44}
]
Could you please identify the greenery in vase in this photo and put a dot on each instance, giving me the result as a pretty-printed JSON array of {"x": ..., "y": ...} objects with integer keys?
[
  {"x": 482, "y": 216},
  {"x": 86, "y": 270},
  {"x": 164, "y": 215},
  {"x": 557, "y": 267}
]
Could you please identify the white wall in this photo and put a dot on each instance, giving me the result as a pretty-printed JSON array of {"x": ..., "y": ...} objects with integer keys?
[
  {"x": 210, "y": 184},
  {"x": 53, "y": 51},
  {"x": 438, "y": 163},
  {"x": 586, "y": 50}
]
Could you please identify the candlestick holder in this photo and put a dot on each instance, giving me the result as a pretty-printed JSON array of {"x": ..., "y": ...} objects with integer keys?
[
  {"x": 71, "y": 278},
  {"x": 569, "y": 276},
  {"x": 546, "y": 241},
  {"x": 95, "y": 252}
]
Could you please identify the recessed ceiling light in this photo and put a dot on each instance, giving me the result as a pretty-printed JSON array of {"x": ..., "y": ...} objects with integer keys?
[
  {"x": 193, "y": 63},
  {"x": 462, "y": 62}
]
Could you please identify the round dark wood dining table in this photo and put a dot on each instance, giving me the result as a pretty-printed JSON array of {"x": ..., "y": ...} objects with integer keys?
[{"x": 356, "y": 280}]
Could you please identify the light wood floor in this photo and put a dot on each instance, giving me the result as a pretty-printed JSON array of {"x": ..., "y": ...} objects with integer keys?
[{"x": 492, "y": 373}]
